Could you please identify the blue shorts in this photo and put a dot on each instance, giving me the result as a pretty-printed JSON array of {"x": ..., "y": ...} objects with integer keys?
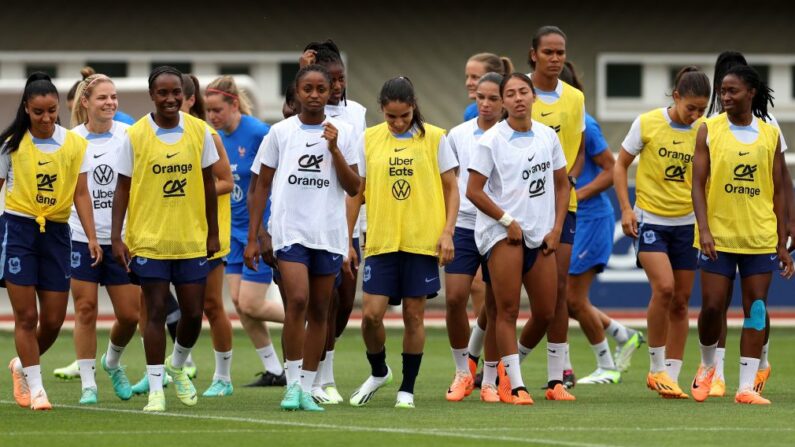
[
  {"x": 529, "y": 257},
  {"x": 318, "y": 262},
  {"x": 31, "y": 258},
  {"x": 399, "y": 275},
  {"x": 176, "y": 271},
  {"x": 236, "y": 266},
  {"x": 727, "y": 264},
  {"x": 593, "y": 244},
  {"x": 676, "y": 241},
  {"x": 467, "y": 258},
  {"x": 338, "y": 279},
  {"x": 569, "y": 228},
  {"x": 107, "y": 273}
]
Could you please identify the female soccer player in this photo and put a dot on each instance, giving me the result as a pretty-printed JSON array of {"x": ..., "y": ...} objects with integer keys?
[
  {"x": 741, "y": 223},
  {"x": 519, "y": 219},
  {"x": 462, "y": 271},
  {"x": 477, "y": 66},
  {"x": 662, "y": 220},
  {"x": 166, "y": 189},
  {"x": 95, "y": 105},
  {"x": 311, "y": 163},
  {"x": 229, "y": 112},
  {"x": 44, "y": 170},
  {"x": 408, "y": 171}
]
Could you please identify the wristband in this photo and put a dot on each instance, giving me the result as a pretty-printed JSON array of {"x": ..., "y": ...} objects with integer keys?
[{"x": 506, "y": 220}]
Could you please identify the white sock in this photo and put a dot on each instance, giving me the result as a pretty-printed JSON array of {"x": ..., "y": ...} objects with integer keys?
[
  {"x": 328, "y": 370},
  {"x": 293, "y": 368},
  {"x": 720, "y": 354},
  {"x": 567, "y": 359},
  {"x": 320, "y": 367},
  {"x": 307, "y": 380},
  {"x": 524, "y": 351},
  {"x": 603, "y": 358},
  {"x": 155, "y": 375},
  {"x": 618, "y": 331},
  {"x": 490, "y": 373},
  {"x": 708, "y": 355},
  {"x": 179, "y": 355},
  {"x": 113, "y": 355},
  {"x": 476, "y": 340},
  {"x": 461, "y": 359},
  {"x": 88, "y": 369},
  {"x": 270, "y": 360},
  {"x": 763, "y": 359},
  {"x": 656, "y": 359},
  {"x": 223, "y": 366},
  {"x": 748, "y": 368},
  {"x": 189, "y": 360},
  {"x": 556, "y": 359},
  {"x": 33, "y": 377},
  {"x": 673, "y": 367},
  {"x": 513, "y": 369}
]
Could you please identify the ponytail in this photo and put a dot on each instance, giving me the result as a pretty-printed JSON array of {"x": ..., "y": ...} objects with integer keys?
[
  {"x": 692, "y": 82},
  {"x": 190, "y": 88},
  {"x": 493, "y": 63},
  {"x": 38, "y": 84}
]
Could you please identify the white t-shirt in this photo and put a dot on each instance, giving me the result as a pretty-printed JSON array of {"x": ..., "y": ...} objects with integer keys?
[
  {"x": 168, "y": 136},
  {"x": 101, "y": 155},
  {"x": 463, "y": 139},
  {"x": 307, "y": 199},
  {"x": 519, "y": 167},
  {"x": 445, "y": 156},
  {"x": 48, "y": 146}
]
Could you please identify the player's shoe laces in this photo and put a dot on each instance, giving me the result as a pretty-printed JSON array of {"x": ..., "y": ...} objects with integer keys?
[
  {"x": 761, "y": 379},
  {"x": 186, "y": 392},
  {"x": 292, "y": 397},
  {"x": 601, "y": 376},
  {"x": 157, "y": 402},
  {"x": 219, "y": 388},
  {"x": 488, "y": 394},
  {"x": 142, "y": 387},
  {"x": 68, "y": 372},
  {"x": 520, "y": 396},
  {"x": 366, "y": 392},
  {"x": 718, "y": 388},
  {"x": 268, "y": 378},
  {"x": 121, "y": 384},
  {"x": 624, "y": 351},
  {"x": 21, "y": 389},
  {"x": 559, "y": 392},
  {"x": 333, "y": 394},
  {"x": 321, "y": 397},
  {"x": 40, "y": 402},
  {"x": 702, "y": 383},
  {"x": 750, "y": 397},
  {"x": 88, "y": 396},
  {"x": 462, "y": 386},
  {"x": 307, "y": 403}
]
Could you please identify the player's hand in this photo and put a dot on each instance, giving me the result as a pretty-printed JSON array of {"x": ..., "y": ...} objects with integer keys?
[
  {"x": 786, "y": 262},
  {"x": 308, "y": 57},
  {"x": 251, "y": 255},
  {"x": 266, "y": 248},
  {"x": 213, "y": 245},
  {"x": 445, "y": 248},
  {"x": 515, "y": 234},
  {"x": 96, "y": 252},
  {"x": 330, "y": 133},
  {"x": 121, "y": 254},
  {"x": 708, "y": 244},
  {"x": 351, "y": 264},
  {"x": 629, "y": 223},
  {"x": 551, "y": 242}
]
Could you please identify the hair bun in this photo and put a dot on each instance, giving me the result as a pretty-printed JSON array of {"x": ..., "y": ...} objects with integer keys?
[
  {"x": 38, "y": 76},
  {"x": 87, "y": 71}
]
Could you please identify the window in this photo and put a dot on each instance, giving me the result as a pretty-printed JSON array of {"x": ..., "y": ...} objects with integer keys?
[
  {"x": 234, "y": 69},
  {"x": 764, "y": 72},
  {"x": 287, "y": 71},
  {"x": 50, "y": 69},
  {"x": 112, "y": 69},
  {"x": 184, "y": 67},
  {"x": 624, "y": 80}
]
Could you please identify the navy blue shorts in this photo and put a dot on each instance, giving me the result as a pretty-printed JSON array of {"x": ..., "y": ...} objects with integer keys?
[
  {"x": 175, "y": 271},
  {"x": 29, "y": 257},
  {"x": 318, "y": 262},
  {"x": 399, "y": 275},
  {"x": 467, "y": 258},
  {"x": 593, "y": 245},
  {"x": 676, "y": 241},
  {"x": 236, "y": 266},
  {"x": 106, "y": 273},
  {"x": 569, "y": 228},
  {"x": 338, "y": 279},
  {"x": 529, "y": 257},
  {"x": 727, "y": 264}
]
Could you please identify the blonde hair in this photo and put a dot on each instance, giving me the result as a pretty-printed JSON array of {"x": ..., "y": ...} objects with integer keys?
[
  {"x": 493, "y": 63},
  {"x": 226, "y": 87},
  {"x": 84, "y": 90}
]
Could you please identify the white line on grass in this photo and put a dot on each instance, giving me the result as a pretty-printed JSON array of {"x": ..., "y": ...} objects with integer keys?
[
  {"x": 136, "y": 432},
  {"x": 330, "y": 427},
  {"x": 624, "y": 429}
]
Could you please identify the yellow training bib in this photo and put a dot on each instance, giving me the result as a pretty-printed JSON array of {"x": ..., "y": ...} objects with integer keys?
[
  {"x": 166, "y": 215},
  {"x": 665, "y": 171},
  {"x": 566, "y": 118},
  {"x": 405, "y": 202},
  {"x": 224, "y": 218},
  {"x": 740, "y": 189},
  {"x": 44, "y": 183}
]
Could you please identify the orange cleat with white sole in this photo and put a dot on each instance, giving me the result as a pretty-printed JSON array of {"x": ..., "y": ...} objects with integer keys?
[
  {"x": 489, "y": 394},
  {"x": 522, "y": 397},
  {"x": 504, "y": 387},
  {"x": 761, "y": 379},
  {"x": 664, "y": 385},
  {"x": 21, "y": 390},
  {"x": 462, "y": 387},
  {"x": 750, "y": 397},
  {"x": 559, "y": 392},
  {"x": 718, "y": 388},
  {"x": 39, "y": 402},
  {"x": 702, "y": 383}
]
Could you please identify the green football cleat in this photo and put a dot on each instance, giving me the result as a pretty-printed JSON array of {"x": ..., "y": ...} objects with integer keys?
[
  {"x": 89, "y": 396},
  {"x": 292, "y": 397},
  {"x": 191, "y": 370},
  {"x": 69, "y": 372},
  {"x": 121, "y": 384},
  {"x": 307, "y": 403},
  {"x": 157, "y": 402},
  {"x": 219, "y": 388},
  {"x": 333, "y": 394},
  {"x": 186, "y": 392},
  {"x": 601, "y": 376},
  {"x": 623, "y": 353}
]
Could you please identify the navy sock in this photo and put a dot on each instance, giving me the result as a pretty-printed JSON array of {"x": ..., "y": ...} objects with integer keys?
[
  {"x": 411, "y": 367},
  {"x": 378, "y": 363}
]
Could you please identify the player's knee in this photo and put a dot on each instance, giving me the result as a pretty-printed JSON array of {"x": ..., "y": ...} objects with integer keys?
[
  {"x": 678, "y": 308},
  {"x": 508, "y": 312},
  {"x": 664, "y": 291},
  {"x": 27, "y": 319},
  {"x": 51, "y": 321},
  {"x": 298, "y": 302},
  {"x": 86, "y": 312},
  {"x": 128, "y": 317},
  {"x": 371, "y": 318}
]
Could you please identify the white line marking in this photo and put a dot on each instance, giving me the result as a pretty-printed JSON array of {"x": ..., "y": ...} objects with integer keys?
[
  {"x": 624, "y": 429},
  {"x": 134, "y": 432}
]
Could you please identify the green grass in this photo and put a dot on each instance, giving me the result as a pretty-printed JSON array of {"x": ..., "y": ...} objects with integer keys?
[{"x": 623, "y": 415}]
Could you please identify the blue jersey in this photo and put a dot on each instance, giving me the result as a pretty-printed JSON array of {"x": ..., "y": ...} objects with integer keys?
[
  {"x": 595, "y": 144},
  {"x": 241, "y": 147},
  {"x": 471, "y": 111},
  {"x": 123, "y": 118}
]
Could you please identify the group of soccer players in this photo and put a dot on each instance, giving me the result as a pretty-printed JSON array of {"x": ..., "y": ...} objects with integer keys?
[{"x": 516, "y": 193}]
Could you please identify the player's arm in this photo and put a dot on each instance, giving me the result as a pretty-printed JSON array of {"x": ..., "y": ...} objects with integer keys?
[
  {"x": 211, "y": 211},
  {"x": 629, "y": 222},
  {"x": 222, "y": 171},
  {"x": 601, "y": 182},
  {"x": 121, "y": 199},
  {"x": 701, "y": 167},
  {"x": 257, "y": 202},
  {"x": 451, "y": 203}
]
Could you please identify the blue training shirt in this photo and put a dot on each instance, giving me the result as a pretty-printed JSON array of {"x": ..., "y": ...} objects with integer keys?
[
  {"x": 471, "y": 111},
  {"x": 595, "y": 144},
  {"x": 241, "y": 147},
  {"x": 123, "y": 118}
]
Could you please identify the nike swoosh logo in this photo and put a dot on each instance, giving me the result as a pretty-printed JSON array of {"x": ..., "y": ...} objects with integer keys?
[
  {"x": 678, "y": 142},
  {"x": 398, "y": 149},
  {"x": 99, "y": 155},
  {"x": 171, "y": 155},
  {"x": 157, "y": 375},
  {"x": 582, "y": 255},
  {"x": 571, "y": 230},
  {"x": 546, "y": 113},
  {"x": 334, "y": 258},
  {"x": 744, "y": 363},
  {"x": 334, "y": 116},
  {"x": 44, "y": 163},
  {"x": 531, "y": 158},
  {"x": 313, "y": 144},
  {"x": 742, "y": 154},
  {"x": 774, "y": 257},
  {"x": 203, "y": 262},
  {"x": 431, "y": 279}
]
